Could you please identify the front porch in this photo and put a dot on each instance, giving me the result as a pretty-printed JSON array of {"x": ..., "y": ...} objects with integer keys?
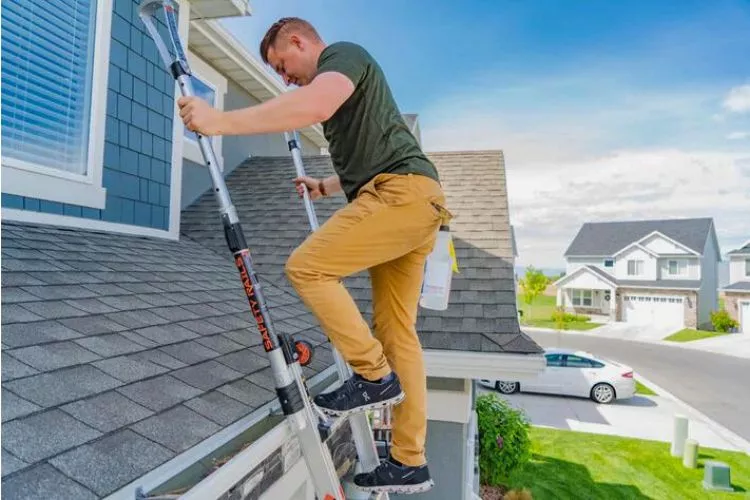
[{"x": 588, "y": 291}]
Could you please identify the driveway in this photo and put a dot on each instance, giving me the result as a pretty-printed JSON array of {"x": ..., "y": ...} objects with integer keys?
[
  {"x": 714, "y": 384},
  {"x": 643, "y": 417}
]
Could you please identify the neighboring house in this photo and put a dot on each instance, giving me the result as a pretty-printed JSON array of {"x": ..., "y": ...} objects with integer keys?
[
  {"x": 131, "y": 366},
  {"x": 650, "y": 272},
  {"x": 737, "y": 292}
]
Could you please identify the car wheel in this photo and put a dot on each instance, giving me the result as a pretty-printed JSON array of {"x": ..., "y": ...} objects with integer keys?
[
  {"x": 506, "y": 387},
  {"x": 603, "y": 393}
]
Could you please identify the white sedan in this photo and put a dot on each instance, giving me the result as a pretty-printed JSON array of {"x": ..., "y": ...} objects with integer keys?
[{"x": 575, "y": 373}]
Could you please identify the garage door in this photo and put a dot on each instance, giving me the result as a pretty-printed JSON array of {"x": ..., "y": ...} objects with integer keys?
[
  {"x": 745, "y": 317},
  {"x": 653, "y": 310}
]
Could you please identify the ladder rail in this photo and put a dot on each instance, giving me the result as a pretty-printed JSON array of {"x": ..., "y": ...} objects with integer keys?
[
  {"x": 291, "y": 387},
  {"x": 362, "y": 433}
]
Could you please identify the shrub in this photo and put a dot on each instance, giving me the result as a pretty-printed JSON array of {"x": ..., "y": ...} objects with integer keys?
[
  {"x": 504, "y": 442},
  {"x": 722, "y": 321},
  {"x": 562, "y": 318}
]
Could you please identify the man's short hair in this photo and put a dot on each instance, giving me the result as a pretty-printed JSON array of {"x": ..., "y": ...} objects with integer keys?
[{"x": 285, "y": 25}]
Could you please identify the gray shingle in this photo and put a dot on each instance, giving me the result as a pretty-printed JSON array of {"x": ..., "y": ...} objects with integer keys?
[
  {"x": 91, "y": 306},
  {"x": 206, "y": 376},
  {"x": 244, "y": 361},
  {"x": 15, "y": 295},
  {"x": 92, "y": 325},
  {"x": 174, "y": 313},
  {"x": 15, "y": 407},
  {"x": 178, "y": 429},
  {"x": 219, "y": 343},
  {"x": 109, "y": 345},
  {"x": 54, "y": 355},
  {"x": 45, "y": 434},
  {"x": 10, "y": 464},
  {"x": 112, "y": 462},
  {"x": 107, "y": 412},
  {"x": 45, "y": 482},
  {"x": 13, "y": 278},
  {"x": 137, "y": 319},
  {"x": 125, "y": 302},
  {"x": 249, "y": 393},
  {"x": 52, "y": 309},
  {"x": 190, "y": 352},
  {"x": 12, "y": 368},
  {"x": 51, "y": 292},
  {"x": 62, "y": 386},
  {"x": 739, "y": 286},
  {"x": 166, "y": 334},
  {"x": 14, "y": 313},
  {"x": 129, "y": 369},
  {"x": 158, "y": 358},
  {"x": 159, "y": 393},
  {"x": 219, "y": 408}
]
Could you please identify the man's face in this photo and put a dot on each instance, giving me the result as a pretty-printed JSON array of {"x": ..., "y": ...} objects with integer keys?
[{"x": 291, "y": 59}]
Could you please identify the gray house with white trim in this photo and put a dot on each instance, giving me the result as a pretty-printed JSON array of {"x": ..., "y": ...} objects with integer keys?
[
  {"x": 131, "y": 366},
  {"x": 651, "y": 272},
  {"x": 737, "y": 292}
]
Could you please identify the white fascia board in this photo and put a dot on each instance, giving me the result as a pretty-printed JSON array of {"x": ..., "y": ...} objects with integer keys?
[
  {"x": 482, "y": 365},
  {"x": 675, "y": 242},
  {"x": 639, "y": 247}
]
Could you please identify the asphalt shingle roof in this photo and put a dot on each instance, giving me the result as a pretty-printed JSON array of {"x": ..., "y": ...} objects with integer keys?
[
  {"x": 744, "y": 250},
  {"x": 607, "y": 238},
  {"x": 120, "y": 352},
  {"x": 739, "y": 286}
]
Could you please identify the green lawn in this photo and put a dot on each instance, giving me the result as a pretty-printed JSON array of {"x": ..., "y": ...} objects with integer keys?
[
  {"x": 689, "y": 334},
  {"x": 568, "y": 464},
  {"x": 642, "y": 389},
  {"x": 539, "y": 313}
]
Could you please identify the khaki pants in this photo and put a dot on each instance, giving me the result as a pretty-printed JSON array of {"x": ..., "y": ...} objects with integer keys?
[{"x": 389, "y": 228}]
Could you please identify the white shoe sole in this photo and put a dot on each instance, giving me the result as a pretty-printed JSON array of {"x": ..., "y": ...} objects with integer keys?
[
  {"x": 406, "y": 489},
  {"x": 373, "y": 406}
]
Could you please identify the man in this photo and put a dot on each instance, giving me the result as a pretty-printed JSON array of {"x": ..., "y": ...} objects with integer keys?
[{"x": 389, "y": 226}]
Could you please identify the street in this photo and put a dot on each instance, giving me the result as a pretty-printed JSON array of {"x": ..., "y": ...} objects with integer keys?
[{"x": 714, "y": 384}]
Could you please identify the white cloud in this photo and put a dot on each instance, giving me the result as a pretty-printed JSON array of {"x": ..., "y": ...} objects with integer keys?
[
  {"x": 738, "y": 99},
  {"x": 734, "y": 136},
  {"x": 548, "y": 205}
]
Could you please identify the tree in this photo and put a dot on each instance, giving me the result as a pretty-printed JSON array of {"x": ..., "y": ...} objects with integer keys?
[{"x": 533, "y": 284}]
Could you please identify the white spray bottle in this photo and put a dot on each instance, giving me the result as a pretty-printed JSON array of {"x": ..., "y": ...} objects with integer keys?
[{"x": 438, "y": 273}]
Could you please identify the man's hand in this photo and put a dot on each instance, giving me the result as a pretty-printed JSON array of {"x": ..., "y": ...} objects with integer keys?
[
  {"x": 312, "y": 187},
  {"x": 200, "y": 117}
]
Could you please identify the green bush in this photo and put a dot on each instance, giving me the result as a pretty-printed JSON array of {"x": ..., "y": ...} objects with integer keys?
[
  {"x": 560, "y": 316},
  {"x": 722, "y": 321},
  {"x": 504, "y": 442}
]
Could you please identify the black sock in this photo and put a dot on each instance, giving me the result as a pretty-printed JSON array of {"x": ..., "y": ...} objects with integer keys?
[{"x": 396, "y": 462}]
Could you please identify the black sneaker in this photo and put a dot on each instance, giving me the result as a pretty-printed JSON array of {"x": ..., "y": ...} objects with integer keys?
[
  {"x": 393, "y": 477},
  {"x": 359, "y": 394}
]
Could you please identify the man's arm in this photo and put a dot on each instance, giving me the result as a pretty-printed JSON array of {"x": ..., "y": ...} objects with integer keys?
[
  {"x": 293, "y": 110},
  {"x": 332, "y": 185}
]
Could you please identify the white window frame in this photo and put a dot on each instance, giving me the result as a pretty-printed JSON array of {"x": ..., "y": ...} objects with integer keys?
[
  {"x": 638, "y": 265},
  {"x": 747, "y": 268},
  {"x": 579, "y": 296},
  {"x": 46, "y": 183},
  {"x": 682, "y": 267},
  {"x": 212, "y": 78}
]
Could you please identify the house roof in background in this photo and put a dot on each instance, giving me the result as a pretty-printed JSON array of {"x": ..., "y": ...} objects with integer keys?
[
  {"x": 606, "y": 238},
  {"x": 743, "y": 250},
  {"x": 620, "y": 283},
  {"x": 482, "y": 315},
  {"x": 739, "y": 286}
]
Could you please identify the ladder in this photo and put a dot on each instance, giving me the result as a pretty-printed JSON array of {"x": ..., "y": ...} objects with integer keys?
[{"x": 309, "y": 423}]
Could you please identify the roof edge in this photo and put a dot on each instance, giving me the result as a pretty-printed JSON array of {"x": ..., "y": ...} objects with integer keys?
[{"x": 475, "y": 365}]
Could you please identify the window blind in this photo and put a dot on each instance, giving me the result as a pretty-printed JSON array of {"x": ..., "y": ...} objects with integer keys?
[{"x": 47, "y": 63}]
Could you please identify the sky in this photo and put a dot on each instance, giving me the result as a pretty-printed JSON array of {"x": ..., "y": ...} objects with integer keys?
[{"x": 604, "y": 110}]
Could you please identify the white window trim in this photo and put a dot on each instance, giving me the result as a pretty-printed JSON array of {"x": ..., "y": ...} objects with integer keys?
[
  {"x": 580, "y": 295},
  {"x": 685, "y": 270},
  {"x": 49, "y": 184},
  {"x": 637, "y": 271},
  {"x": 212, "y": 78},
  {"x": 747, "y": 268}
]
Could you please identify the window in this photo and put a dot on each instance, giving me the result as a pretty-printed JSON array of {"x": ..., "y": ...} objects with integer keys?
[
  {"x": 54, "y": 93},
  {"x": 209, "y": 85},
  {"x": 747, "y": 267},
  {"x": 677, "y": 267},
  {"x": 609, "y": 263},
  {"x": 554, "y": 359},
  {"x": 581, "y": 297},
  {"x": 635, "y": 267}
]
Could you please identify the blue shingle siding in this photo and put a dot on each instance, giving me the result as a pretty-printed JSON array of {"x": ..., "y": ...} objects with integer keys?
[{"x": 138, "y": 132}]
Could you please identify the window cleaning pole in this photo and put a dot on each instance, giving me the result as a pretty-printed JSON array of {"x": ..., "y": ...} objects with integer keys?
[{"x": 291, "y": 388}]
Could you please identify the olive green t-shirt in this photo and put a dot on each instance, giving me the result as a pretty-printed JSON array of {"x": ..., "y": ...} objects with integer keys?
[{"x": 367, "y": 135}]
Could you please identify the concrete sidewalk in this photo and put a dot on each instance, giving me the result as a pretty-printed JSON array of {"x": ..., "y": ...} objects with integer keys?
[
  {"x": 732, "y": 344},
  {"x": 642, "y": 417}
]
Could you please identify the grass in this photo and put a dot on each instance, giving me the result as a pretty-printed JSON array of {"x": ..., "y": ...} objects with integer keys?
[
  {"x": 569, "y": 464},
  {"x": 642, "y": 389},
  {"x": 689, "y": 335},
  {"x": 539, "y": 313}
]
